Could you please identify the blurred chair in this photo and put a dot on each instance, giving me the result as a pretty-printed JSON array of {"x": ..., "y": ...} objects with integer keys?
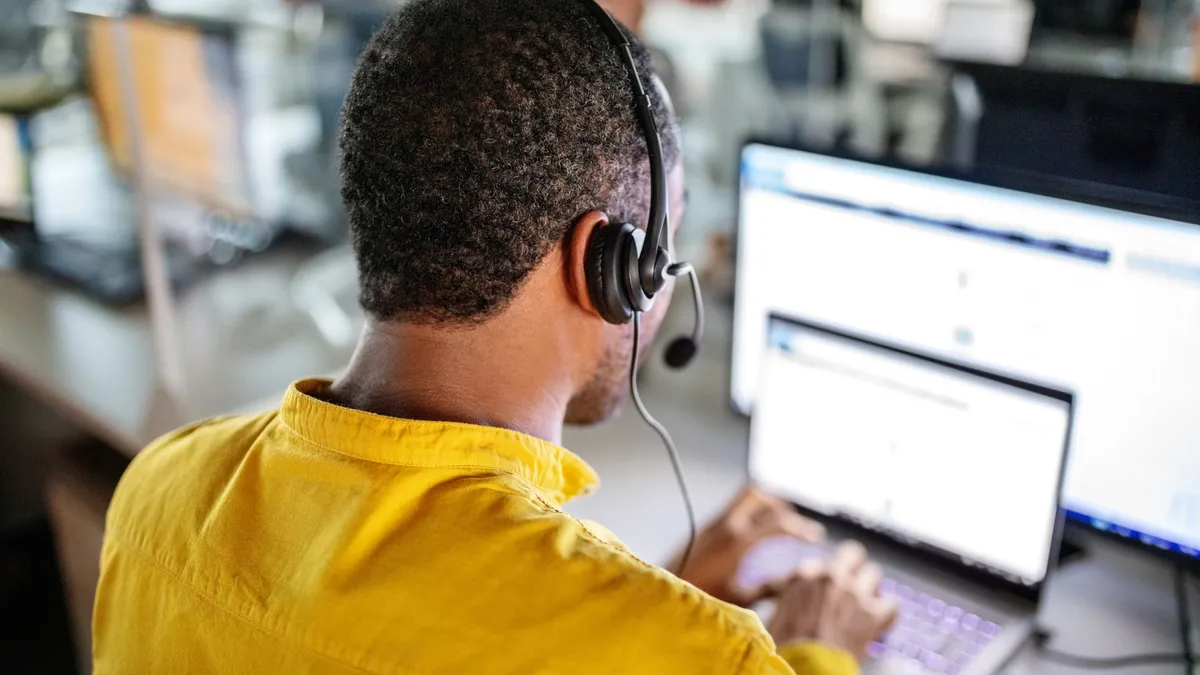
[
  {"x": 78, "y": 491},
  {"x": 35, "y": 613}
]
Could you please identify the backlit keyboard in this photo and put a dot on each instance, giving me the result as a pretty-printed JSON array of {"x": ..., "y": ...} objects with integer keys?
[{"x": 930, "y": 635}]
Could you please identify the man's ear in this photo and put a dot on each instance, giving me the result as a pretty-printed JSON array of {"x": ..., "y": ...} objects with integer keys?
[{"x": 575, "y": 257}]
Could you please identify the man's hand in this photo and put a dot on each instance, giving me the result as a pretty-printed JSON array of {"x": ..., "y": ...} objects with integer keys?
[
  {"x": 752, "y": 517},
  {"x": 836, "y": 604}
]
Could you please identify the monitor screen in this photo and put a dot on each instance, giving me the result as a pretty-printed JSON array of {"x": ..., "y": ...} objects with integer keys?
[
  {"x": 1099, "y": 302},
  {"x": 1107, "y": 18},
  {"x": 935, "y": 455},
  {"x": 916, "y": 21},
  {"x": 986, "y": 30},
  {"x": 188, "y": 109}
]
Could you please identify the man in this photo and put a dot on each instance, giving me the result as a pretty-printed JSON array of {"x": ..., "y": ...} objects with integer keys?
[{"x": 407, "y": 517}]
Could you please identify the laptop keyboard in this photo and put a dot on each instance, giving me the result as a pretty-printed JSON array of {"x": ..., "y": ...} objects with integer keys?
[{"x": 931, "y": 635}]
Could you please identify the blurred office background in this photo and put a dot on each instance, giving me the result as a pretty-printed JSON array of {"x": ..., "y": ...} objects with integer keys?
[{"x": 172, "y": 244}]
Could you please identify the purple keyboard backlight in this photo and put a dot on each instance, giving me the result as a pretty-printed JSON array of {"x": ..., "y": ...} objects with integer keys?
[{"x": 930, "y": 635}]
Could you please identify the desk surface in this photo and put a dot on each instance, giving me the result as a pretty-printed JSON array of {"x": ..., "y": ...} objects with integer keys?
[{"x": 244, "y": 345}]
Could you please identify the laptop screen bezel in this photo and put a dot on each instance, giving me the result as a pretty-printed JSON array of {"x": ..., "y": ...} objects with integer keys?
[{"x": 926, "y": 553}]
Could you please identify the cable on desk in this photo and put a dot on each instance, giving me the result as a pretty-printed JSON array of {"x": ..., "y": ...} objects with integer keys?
[
  {"x": 1086, "y": 663},
  {"x": 1186, "y": 657}
]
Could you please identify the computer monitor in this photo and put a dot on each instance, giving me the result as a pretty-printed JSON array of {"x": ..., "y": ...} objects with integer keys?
[
  {"x": 1101, "y": 302},
  {"x": 1090, "y": 131},
  {"x": 1096, "y": 18},
  {"x": 988, "y": 30},
  {"x": 947, "y": 459},
  {"x": 910, "y": 21},
  {"x": 189, "y": 116}
]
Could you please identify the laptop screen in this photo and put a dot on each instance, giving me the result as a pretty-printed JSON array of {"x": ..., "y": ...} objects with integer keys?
[{"x": 935, "y": 456}]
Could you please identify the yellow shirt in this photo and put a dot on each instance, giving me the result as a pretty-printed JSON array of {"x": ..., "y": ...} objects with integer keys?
[{"x": 318, "y": 539}]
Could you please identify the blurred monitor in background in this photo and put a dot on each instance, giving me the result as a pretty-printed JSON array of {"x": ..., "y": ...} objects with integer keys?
[
  {"x": 1099, "y": 18},
  {"x": 184, "y": 82},
  {"x": 1099, "y": 134},
  {"x": 911, "y": 21},
  {"x": 991, "y": 31},
  {"x": 996, "y": 31}
]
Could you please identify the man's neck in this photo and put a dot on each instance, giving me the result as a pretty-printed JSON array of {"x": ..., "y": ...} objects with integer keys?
[{"x": 494, "y": 375}]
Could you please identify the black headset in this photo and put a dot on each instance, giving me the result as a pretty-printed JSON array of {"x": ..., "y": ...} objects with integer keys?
[{"x": 626, "y": 267}]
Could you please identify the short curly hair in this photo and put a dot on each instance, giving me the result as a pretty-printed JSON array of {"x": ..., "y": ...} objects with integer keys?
[{"x": 474, "y": 134}]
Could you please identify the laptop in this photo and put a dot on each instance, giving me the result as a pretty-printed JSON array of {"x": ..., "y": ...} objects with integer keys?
[{"x": 949, "y": 474}]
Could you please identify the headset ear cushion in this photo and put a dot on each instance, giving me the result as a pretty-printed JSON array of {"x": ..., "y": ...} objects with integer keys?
[{"x": 606, "y": 251}]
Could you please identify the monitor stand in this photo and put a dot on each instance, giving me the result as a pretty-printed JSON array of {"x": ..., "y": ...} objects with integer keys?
[{"x": 1072, "y": 550}]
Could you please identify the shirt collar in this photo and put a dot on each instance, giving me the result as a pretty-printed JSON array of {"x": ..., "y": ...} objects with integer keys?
[{"x": 555, "y": 471}]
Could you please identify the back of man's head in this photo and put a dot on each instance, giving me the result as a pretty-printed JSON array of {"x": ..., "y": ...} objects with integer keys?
[{"x": 474, "y": 134}]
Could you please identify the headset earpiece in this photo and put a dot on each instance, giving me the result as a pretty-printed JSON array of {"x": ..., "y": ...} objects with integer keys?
[
  {"x": 612, "y": 273},
  {"x": 605, "y": 249}
]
